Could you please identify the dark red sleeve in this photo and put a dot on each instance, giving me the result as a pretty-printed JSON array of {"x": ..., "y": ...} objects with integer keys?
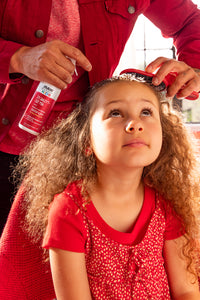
[{"x": 179, "y": 19}]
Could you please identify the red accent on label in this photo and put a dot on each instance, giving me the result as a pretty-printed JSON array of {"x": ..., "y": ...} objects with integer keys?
[{"x": 37, "y": 112}]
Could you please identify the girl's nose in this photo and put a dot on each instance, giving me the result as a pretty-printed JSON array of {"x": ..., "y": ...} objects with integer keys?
[{"x": 134, "y": 126}]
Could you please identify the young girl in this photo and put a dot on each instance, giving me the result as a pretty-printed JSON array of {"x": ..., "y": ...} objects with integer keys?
[{"x": 114, "y": 187}]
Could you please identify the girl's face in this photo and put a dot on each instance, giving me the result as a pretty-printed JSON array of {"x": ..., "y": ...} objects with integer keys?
[{"x": 125, "y": 126}]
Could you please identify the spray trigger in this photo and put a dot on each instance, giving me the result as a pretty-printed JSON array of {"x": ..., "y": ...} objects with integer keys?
[{"x": 74, "y": 63}]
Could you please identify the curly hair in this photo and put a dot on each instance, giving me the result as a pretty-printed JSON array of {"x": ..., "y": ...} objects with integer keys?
[{"x": 58, "y": 158}]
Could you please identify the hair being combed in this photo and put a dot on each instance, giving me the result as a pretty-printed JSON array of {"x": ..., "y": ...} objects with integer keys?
[{"x": 58, "y": 158}]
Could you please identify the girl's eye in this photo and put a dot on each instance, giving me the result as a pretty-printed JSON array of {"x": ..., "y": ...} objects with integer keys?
[
  {"x": 146, "y": 112},
  {"x": 115, "y": 113}
]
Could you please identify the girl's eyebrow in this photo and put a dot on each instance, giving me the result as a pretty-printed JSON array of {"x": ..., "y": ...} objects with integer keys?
[
  {"x": 122, "y": 101},
  {"x": 149, "y": 102},
  {"x": 114, "y": 101}
]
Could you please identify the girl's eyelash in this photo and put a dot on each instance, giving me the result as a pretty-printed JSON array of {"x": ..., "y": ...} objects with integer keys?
[
  {"x": 117, "y": 111},
  {"x": 147, "y": 109}
]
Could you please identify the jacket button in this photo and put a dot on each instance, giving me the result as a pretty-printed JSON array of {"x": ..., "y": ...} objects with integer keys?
[
  {"x": 5, "y": 121},
  {"x": 25, "y": 80},
  {"x": 131, "y": 9},
  {"x": 39, "y": 33}
]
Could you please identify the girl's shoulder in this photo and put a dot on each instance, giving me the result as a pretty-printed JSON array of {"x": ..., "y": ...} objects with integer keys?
[
  {"x": 174, "y": 224},
  {"x": 70, "y": 199},
  {"x": 65, "y": 229}
]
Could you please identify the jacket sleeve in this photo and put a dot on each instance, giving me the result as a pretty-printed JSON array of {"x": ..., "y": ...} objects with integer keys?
[
  {"x": 180, "y": 20},
  {"x": 19, "y": 22},
  {"x": 7, "y": 49}
]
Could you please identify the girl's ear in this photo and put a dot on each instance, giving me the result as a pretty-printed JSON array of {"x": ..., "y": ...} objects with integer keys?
[{"x": 88, "y": 151}]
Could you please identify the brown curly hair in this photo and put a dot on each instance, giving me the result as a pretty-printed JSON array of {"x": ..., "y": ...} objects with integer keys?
[{"x": 58, "y": 158}]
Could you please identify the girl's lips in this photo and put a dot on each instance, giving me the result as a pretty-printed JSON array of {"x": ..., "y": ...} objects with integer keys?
[{"x": 135, "y": 143}]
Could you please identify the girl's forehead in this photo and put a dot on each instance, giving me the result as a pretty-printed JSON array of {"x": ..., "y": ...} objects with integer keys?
[{"x": 124, "y": 89}]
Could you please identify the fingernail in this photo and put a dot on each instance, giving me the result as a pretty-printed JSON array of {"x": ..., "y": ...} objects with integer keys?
[
  {"x": 149, "y": 68},
  {"x": 69, "y": 80},
  {"x": 89, "y": 67},
  {"x": 155, "y": 81}
]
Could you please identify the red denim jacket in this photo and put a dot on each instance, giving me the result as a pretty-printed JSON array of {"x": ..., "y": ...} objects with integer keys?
[{"x": 106, "y": 26}]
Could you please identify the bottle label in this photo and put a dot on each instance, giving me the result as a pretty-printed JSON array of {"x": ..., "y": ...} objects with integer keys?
[
  {"x": 36, "y": 113},
  {"x": 48, "y": 90}
]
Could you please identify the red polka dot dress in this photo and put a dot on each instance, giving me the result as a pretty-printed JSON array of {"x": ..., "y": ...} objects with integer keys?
[{"x": 120, "y": 266}]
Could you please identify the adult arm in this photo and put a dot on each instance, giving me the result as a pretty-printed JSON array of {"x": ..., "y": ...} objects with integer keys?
[
  {"x": 179, "y": 20},
  {"x": 7, "y": 49},
  {"x": 69, "y": 275},
  {"x": 183, "y": 284},
  {"x": 21, "y": 47},
  {"x": 48, "y": 62}
]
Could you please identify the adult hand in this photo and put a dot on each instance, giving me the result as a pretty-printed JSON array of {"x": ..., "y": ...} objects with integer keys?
[
  {"x": 48, "y": 62},
  {"x": 187, "y": 79}
]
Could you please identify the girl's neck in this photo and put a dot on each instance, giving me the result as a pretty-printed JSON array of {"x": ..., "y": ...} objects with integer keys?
[
  {"x": 118, "y": 198},
  {"x": 121, "y": 185}
]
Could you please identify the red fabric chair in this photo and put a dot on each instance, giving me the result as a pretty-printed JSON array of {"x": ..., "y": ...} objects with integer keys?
[{"x": 23, "y": 272}]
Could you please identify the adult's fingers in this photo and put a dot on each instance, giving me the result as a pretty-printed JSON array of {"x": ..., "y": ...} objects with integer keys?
[
  {"x": 49, "y": 62},
  {"x": 186, "y": 81}
]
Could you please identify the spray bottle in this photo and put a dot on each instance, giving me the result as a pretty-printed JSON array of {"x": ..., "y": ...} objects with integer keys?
[{"x": 40, "y": 107}]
